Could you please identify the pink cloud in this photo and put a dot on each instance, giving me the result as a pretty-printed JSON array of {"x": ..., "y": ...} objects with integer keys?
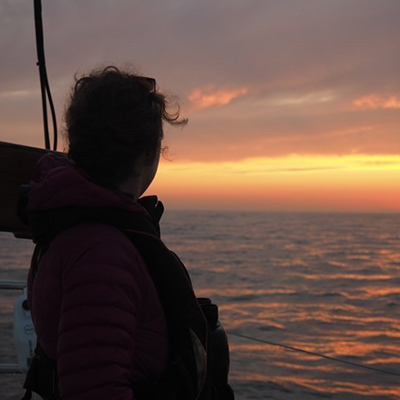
[
  {"x": 375, "y": 102},
  {"x": 210, "y": 97}
]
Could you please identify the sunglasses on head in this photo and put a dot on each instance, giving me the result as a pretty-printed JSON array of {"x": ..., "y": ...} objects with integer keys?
[{"x": 149, "y": 83}]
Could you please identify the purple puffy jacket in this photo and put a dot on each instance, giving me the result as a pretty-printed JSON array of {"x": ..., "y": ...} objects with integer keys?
[{"x": 94, "y": 305}]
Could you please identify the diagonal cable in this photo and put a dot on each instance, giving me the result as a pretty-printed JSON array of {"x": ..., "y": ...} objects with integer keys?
[{"x": 314, "y": 354}]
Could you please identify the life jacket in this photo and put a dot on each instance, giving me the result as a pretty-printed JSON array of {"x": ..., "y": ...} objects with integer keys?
[{"x": 189, "y": 374}]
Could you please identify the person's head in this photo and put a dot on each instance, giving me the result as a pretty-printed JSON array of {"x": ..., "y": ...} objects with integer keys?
[{"x": 114, "y": 125}]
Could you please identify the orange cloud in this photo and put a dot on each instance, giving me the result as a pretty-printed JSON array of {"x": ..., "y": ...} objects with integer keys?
[
  {"x": 209, "y": 96},
  {"x": 375, "y": 102}
]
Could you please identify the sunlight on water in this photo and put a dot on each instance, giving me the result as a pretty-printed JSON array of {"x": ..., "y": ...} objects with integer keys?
[{"x": 324, "y": 283}]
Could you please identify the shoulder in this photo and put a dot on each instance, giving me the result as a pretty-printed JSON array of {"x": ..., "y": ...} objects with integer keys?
[
  {"x": 96, "y": 247},
  {"x": 86, "y": 236},
  {"x": 91, "y": 233}
]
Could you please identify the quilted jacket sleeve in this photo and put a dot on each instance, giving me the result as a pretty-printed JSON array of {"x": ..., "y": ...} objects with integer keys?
[{"x": 102, "y": 293}]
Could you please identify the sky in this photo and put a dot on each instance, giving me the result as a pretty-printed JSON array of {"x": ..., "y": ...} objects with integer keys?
[{"x": 293, "y": 105}]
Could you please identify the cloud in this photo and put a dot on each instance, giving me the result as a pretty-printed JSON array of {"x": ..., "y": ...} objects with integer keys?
[
  {"x": 305, "y": 98},
  {"x": 16, "y": 94},
  {"x": 376, "y": 102},
  {"x": 211, "y": 97},
  {"x": 294, "y": 169},
  {"x": 295, "y": 67}
]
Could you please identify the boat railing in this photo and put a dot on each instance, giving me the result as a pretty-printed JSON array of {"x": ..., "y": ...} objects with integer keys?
[{"x": 11, "y": 285}]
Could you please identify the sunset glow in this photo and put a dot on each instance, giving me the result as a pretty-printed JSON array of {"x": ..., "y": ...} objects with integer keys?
[
  {"x": 303, "y": 183},
  {"x": 291, "y": 105}
]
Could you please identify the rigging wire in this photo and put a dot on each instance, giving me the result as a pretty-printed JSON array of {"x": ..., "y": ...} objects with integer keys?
[
  {"x": 44, "y": 82},
  {"x": 383, "y": 371}
]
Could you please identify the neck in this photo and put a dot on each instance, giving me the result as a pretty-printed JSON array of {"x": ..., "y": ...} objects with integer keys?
[{"x": 131, "y": 187}]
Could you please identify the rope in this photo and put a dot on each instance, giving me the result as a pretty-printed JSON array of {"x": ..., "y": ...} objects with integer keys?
[
  {"x": 315, "y": 354},
  {"x": 44, "y": 82}
]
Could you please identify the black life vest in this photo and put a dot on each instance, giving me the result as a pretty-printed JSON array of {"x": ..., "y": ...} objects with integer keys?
[{"x": 189, "y": 375}]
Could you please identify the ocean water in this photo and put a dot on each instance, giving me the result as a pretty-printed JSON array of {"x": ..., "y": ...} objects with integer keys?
[{"x": 323, "y": 283}]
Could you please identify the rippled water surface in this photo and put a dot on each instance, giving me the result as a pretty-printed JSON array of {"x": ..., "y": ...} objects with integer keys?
[{"x": 325, "y": 283}]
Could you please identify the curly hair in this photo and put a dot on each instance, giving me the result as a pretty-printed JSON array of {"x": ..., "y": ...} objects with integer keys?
[{"x": 112, "y": 118}]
